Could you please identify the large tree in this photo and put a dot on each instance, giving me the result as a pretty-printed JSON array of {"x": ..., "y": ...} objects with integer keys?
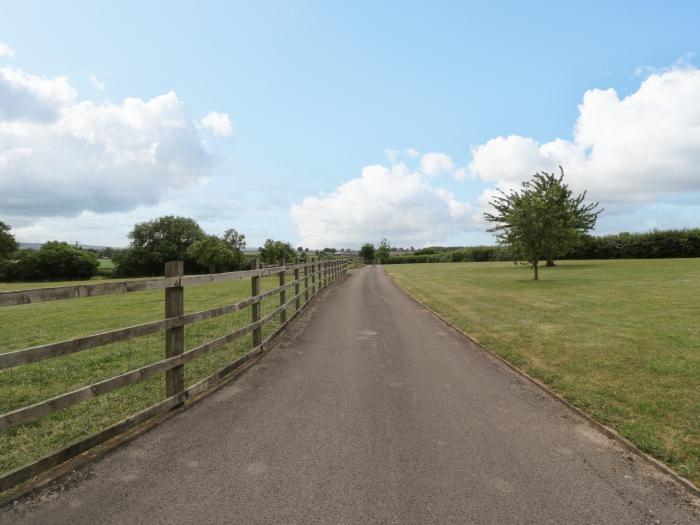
[
  {"x": 542, "y": 220},
  {"x": 274, "y": 251},
  {"x": 8, "y": 245},
  {"x": 383, "y": 252},
  {"x": 214, "y": 254},
  {"x": 155, "y": 242},
  {"x": 235, "y": 240},
  {"x": 367, "y": 252},
  {"x": 570, "y": 216}
]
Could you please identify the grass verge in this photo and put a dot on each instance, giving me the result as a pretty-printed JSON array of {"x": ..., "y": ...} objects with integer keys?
[{"x": 618, "y": 339}]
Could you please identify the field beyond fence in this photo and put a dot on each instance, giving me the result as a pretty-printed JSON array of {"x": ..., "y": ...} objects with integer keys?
[
  {"x": 618, "y": 339},
  {"x": 82, "y": 363}
]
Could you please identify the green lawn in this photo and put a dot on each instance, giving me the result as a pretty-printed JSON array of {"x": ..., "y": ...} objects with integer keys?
[
  {"x": 34, "y": 324},
  {"x": 618, "y": 339},
  {"x": 106, "y": 264}
]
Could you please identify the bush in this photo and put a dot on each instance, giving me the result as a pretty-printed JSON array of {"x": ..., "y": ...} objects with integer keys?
[
  {"x": 650, "y": 245},
  {"x": 55, "y": 260}
]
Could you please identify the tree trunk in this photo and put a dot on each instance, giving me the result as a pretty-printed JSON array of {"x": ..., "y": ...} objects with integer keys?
[
  {"x": 550, "y": 262},
  {"x": 535, "y": 269}
]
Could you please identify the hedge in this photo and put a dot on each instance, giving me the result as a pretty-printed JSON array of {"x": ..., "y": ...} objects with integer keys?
[{"x": 650, "y": 245}]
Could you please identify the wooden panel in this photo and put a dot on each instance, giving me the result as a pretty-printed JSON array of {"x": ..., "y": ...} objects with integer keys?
[
  {"x": 59, "y": 293},
  {"x": 70, "y": 346},
  {"x": 31, "y": 412},
  {"x": 47, "y": 351},
  {"x": 51, "y": 350},
  {"x": 26, "y": 472}
]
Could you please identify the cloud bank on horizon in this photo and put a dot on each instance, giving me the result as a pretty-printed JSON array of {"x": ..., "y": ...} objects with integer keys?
[
  {"x": 61, "y": 156},
  {"x": 640, "y": 149}
]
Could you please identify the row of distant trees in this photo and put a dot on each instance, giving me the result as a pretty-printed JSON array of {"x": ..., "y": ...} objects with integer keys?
[{"x": 152, "y": 244}]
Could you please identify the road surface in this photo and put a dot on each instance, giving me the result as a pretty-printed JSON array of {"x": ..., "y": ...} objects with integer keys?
[{"x": 370, "y": 411}]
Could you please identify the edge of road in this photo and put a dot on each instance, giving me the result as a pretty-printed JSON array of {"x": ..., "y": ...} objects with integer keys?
[
  {"x": 61, "y": 472},
  {"x": 685, "y": 483}
]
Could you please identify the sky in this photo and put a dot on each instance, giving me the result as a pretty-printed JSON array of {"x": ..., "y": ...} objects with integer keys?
[{"x": 334, "y": 124}]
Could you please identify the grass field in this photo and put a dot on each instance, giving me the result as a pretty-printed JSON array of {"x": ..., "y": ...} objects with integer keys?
[
  {"x": 34, "y": 324},
  {"x": 618, "y": 339},
  {"x": 106, "y": 264}
]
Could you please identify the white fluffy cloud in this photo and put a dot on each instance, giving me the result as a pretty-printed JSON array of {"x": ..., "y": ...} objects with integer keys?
[
  {"x": 60, "y": 156},
  {"x": 433, "y": 164},
  {"x": 218, "y": 124},
  {"x": 640, "y": 148},
  {"x": 32, "y": 98},
  {"x": 385, "y": 201},
  {"x": 6, "y": 51}
]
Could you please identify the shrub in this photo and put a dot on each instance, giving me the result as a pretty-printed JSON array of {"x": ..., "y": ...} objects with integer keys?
[
  {"x": 55, "y": 260},
  {"x": 650, "y": 245}
]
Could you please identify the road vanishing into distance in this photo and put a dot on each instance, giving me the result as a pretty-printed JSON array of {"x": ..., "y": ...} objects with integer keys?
[{"x": 368, "y": 410}]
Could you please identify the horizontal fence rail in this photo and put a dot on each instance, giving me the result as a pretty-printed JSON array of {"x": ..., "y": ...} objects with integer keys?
[{"x": 309, "y": 278}]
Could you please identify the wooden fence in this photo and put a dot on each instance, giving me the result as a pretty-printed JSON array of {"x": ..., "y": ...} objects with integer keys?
[{"x": 308, "y": 279}]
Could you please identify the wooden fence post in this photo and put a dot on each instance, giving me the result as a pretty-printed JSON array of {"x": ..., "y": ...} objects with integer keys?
[
  {"x": 255, "y": 308},
  {"x": 306, "y": 282},
  {"x": 283, "y": 292},
  {"x": 174, "y": 337},
  {"x": 297, "y": 290},
  {"x": 313, "y": 276}
]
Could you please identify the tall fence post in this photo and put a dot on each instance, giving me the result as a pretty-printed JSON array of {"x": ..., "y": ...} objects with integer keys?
[
  {"x": 174, "y": 337},
  {"x": 306, "y": 282},
  {"x": 313, "y": 276},
  {"x": 283, "y": 291},
  {"x": 255, "y": 308},
  {"x": 297, "y": 290}
]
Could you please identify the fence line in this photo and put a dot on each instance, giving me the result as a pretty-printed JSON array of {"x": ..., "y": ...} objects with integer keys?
[{"x": 317, "y": 274}]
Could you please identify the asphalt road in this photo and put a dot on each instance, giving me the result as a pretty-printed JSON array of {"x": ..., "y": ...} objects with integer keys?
[{"x": 370, "y": 411}]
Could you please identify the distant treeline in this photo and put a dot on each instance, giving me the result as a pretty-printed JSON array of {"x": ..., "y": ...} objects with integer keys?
[
  {"x": 152, "y": 243},
  {"x": 655, "y": 244}
]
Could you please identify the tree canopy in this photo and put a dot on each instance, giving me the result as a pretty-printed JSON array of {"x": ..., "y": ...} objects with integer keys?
[
  {"x": 383, "y": 252},
  {"x": 8, "y": 245},
  {"x": 274, "y": 251},
  {"x": 54, "y": 260},
  {"x": 214, "y": 254},
  {"x": 157, "y": 241},
  {"x": 542, "y": 220},
  {"x": 367, "y": 252}
]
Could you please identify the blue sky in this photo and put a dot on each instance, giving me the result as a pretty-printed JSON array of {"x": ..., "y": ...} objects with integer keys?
[{"x": 316, "y": 92}]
